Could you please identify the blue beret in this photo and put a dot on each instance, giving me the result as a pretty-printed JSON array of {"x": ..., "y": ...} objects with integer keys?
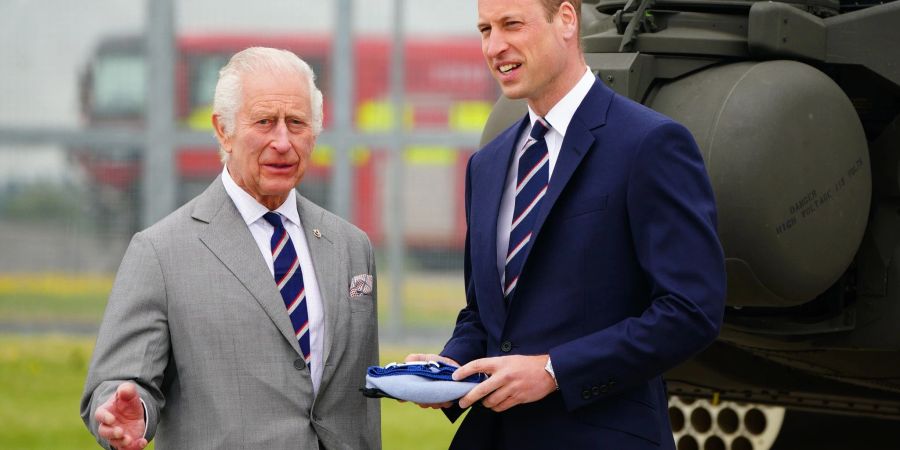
[{"x": 419, "y": 382}]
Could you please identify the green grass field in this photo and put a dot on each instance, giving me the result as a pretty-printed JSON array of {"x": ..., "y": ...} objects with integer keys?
[
  {"x": 47, "y": 297},
  {"x": 42, "y": 378}
]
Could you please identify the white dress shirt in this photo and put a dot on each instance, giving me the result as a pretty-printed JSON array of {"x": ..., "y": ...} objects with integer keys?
[
  {"x": 252, "y": 212},
  {"x": 558, "y": 118}
]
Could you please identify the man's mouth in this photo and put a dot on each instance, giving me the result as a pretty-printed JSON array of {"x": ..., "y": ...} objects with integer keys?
[
  {"x": 506, "y": 68},
  {"x": 280, "y": 167}
]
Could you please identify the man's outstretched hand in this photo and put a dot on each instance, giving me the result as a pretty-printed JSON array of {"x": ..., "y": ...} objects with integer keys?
[{"x": 121, "y": 419}]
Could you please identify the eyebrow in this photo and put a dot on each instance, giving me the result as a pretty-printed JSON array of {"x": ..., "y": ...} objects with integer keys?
[{"x": 502, "y": 19}]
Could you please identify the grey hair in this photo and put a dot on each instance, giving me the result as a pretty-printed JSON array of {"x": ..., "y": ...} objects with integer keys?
[{"x": 227, "y": 99}]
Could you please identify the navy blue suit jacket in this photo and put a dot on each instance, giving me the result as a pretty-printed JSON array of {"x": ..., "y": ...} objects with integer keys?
[{"x": 624, "y": 280}]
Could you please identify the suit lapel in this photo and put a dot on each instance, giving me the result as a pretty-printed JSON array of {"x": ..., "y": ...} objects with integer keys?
[
  {"x": 487, "y": 190},
  {"x": 580, "y": 138},
  {"x": 324, "y": 259},
  {"x": 230, "y": 240}
]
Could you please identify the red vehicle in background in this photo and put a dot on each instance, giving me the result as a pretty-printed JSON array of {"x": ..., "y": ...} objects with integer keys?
[{"x": 447, "y": 88}]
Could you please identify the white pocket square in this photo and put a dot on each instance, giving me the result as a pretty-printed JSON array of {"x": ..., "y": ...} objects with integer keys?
[{"x": 361, "y": 285}]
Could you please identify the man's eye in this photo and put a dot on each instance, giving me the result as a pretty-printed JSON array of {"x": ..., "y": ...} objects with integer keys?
[
  {"x": 264, "y": 121},
  {"x": 297, "y": 124}
]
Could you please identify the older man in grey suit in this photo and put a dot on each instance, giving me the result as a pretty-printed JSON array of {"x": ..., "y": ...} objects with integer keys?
[{"x": 246, "y": 318}]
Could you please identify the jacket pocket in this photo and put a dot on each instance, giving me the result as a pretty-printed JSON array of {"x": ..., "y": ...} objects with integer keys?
[
  {"x": 628, "y": 412},
  {"x": 361, "y": 303}
]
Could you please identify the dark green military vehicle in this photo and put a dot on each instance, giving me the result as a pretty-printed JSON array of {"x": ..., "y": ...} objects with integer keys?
[{"x": 796, "y": 108}]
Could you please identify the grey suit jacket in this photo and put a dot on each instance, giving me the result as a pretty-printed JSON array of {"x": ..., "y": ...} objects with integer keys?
[{"x": 195, "y": 320}]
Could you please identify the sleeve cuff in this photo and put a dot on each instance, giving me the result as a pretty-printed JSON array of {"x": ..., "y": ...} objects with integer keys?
[{"x": 146, "y": 423}]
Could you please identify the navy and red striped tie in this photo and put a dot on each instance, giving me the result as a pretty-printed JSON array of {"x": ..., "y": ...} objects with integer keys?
[
  {"x": 531, "y": 185},
  {"x": 289, "y": 280}
]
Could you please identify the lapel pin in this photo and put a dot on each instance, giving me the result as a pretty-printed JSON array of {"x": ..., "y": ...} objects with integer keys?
[{"x": 317, "y": 233}]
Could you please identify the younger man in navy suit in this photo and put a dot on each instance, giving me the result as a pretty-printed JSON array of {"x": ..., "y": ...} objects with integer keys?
[{"x": 592, "y": 261}]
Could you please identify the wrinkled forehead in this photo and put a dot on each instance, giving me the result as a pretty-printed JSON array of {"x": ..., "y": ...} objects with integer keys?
[
  {"x": 274, "y": 88},
  {"x": 279, "y": 105}
]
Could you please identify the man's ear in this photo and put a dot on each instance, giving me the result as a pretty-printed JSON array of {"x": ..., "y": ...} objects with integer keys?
[
  {"x": 569, "y": 19},
  {"x": 221, "y": 133}
]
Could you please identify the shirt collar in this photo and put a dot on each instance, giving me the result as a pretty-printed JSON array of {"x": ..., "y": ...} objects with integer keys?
[
  {"x": 560, "y": 115},
  {"x": 250, "y": 209}
]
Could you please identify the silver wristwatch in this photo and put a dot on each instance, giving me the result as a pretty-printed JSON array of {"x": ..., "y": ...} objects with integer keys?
[{"x": 549, "y": 369}]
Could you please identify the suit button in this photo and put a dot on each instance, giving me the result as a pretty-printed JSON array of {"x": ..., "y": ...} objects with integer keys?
[
  {"x": 298, "y": 364},
  {"x": 595, "y": 390},
  {"x": 506, "y": 346},
  {"x": 604, "y": 388},
  {"x": 585, "y": 394}
]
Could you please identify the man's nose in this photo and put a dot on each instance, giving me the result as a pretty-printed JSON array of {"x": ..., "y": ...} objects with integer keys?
[
  {"x": 494, "y": 44},
  {"x": 280, "y": 137}
]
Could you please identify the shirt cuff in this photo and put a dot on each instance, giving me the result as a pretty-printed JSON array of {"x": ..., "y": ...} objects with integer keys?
[
  {"x": 146, "y": 424},
  {"x": 549, "y": 369}
]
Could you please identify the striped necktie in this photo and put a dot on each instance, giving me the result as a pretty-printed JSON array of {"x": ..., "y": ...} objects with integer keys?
[
  {"x": 531, "y": 185},
  {"x": 289, "y": 279}
]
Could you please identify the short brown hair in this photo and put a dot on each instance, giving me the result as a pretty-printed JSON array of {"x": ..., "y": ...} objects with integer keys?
[{"x": 551, "y": 7}]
